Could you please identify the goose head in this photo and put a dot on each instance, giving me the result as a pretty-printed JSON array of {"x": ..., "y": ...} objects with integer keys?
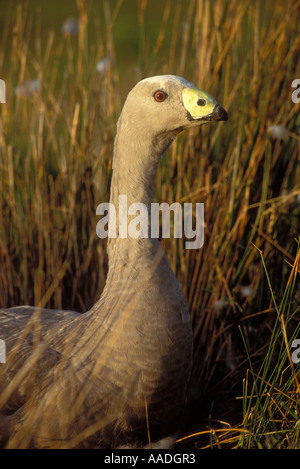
[
  {"x": 168, "y": 104},
  {"x": 155, "y": 111}
]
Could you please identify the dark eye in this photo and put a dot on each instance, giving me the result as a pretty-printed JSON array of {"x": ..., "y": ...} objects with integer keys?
[
  {"x": 160, "y": 96},
  {"x": 201, "y": 102}
]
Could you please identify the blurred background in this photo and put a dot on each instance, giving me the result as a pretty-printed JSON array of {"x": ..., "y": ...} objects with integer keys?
[{"x": 68, "y": 67}]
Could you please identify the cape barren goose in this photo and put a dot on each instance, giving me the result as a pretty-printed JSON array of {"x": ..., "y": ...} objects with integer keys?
[{"x": 120, "y": 371}]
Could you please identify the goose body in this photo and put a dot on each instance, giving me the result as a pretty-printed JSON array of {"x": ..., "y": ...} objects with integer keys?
[{"x": 110, "y": 375}]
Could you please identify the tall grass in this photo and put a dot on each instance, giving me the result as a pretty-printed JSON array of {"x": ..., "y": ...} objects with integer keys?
[
  {"x": 55, "y": 161},
  {"x": 271, "y": 401},
  {"x": 56, "y": 149},
  {"x": 270, "y": 398}
]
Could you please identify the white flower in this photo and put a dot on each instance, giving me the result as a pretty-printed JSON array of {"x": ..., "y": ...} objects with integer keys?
[
  {"x": 278, "y": 132},
  {"x": 70, "y": 26},
  {"x": 103, "y": 64},
  {"x": 28, "y": 88},
  {"x": 219, "y": 305},
  {"x": 246, "y": 291}
]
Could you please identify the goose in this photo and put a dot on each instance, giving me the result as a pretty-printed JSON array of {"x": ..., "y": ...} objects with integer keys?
[{"x": 117, "y": 374}]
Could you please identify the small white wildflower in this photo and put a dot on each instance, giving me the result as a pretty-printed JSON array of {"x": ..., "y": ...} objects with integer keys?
[
  {"x": 219, "y": 305},
  {"x": 278, "y": 132},
  {"x": 102, "y": 65},
  {"x": 70, "y": 27},
  {"x": 246, "y": 291},
  {"x": 28, "y": 88}
]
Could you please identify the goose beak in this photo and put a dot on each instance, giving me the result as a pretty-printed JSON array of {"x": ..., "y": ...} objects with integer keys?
[{"x": 201, "y": 106}]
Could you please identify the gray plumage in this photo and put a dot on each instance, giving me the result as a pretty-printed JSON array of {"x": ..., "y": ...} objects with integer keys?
[{"x": 106, "y": 377}]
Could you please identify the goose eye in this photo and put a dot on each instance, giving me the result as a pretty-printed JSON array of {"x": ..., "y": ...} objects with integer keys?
[{"x": 160, "y": 96}]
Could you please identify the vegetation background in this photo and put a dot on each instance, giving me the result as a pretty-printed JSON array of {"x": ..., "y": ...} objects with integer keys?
[{"x": 65, "y": 89}]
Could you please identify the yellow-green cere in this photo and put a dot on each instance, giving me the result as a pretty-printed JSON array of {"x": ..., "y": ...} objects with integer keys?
[{"x": 197, "y": 102}]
